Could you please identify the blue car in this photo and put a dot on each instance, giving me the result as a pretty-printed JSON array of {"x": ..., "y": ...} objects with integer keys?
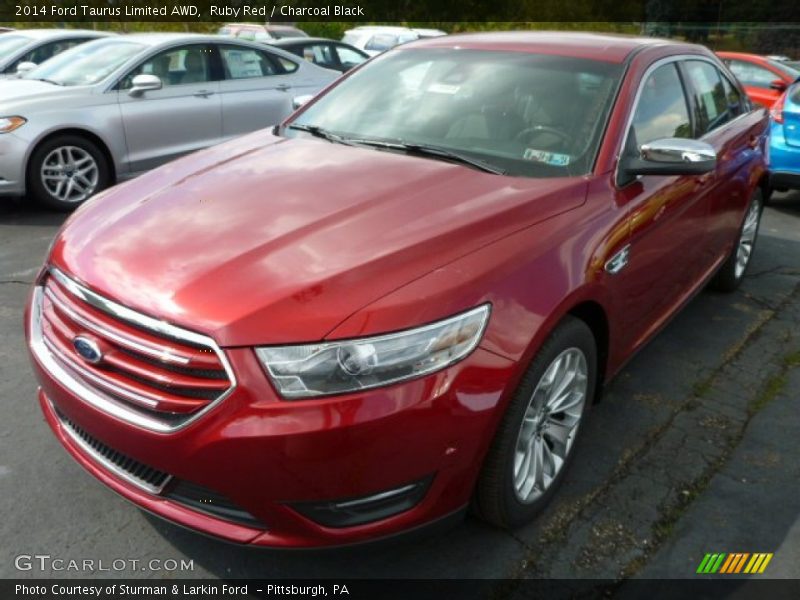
[{"x": 784, "y": 140}]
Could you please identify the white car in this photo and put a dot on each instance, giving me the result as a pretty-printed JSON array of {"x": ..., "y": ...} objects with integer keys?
[{"x": 374, "y": 39}]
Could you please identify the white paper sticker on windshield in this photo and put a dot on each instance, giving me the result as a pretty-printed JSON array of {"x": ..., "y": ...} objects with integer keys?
[
  {"x": 549, "y": 158},
  {"x": 443, "y": 88}
]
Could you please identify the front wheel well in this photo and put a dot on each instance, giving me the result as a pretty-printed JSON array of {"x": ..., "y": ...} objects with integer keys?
[
  {"x": 596, "y": 319},
  {"x": 95, "y": 139}
]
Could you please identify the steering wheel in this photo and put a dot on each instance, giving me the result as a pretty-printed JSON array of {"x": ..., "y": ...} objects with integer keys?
[{"x": 563, "y": 136}]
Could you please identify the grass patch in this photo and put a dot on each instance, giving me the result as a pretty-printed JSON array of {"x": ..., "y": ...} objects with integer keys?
[{"x": 769, "y": 392}]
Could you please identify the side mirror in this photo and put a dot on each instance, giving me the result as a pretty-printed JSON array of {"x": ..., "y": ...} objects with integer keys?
[
  {"x": 778, "y": 85},
  {"x": 144, "y": 83},
  {"x": 669, "y": 156},
  {"x": 25, "y": 67},
  {"x": 299, "y": 101}
]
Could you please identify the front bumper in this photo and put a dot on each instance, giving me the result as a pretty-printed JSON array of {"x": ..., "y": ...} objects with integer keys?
[
  {"x": 271, "y": 457},
  {"x": 13, "y": 156}
]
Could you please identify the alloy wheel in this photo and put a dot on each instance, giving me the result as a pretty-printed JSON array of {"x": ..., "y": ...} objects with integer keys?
[
  {"x": 70, "y": 174},
  {"x": 747, "y": 238},
  {"x": 550, "y": 424}
]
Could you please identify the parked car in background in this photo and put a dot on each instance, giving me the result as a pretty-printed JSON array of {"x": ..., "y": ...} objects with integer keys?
[
  {"x": 374, "y": 39},
  {"x": 784, "y": 140},
  {"x": 428, "y": 33},
  {"x": 325, "y": 53},
  {"x": 30, "y": 47},
  {"x": 763, "y": 79},
  {"x": 402, "y": 301},
  {"x": 255, "y": 32},
  {"x": 113, "y": 108}
]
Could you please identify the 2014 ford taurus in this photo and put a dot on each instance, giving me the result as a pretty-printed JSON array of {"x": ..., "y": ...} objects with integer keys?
[
  {"x": 404, "y": 299},
  {"x": 109, "y": 110}
]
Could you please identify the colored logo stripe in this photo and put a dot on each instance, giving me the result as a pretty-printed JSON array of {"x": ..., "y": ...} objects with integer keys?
[{"x": 734, "y": 563}]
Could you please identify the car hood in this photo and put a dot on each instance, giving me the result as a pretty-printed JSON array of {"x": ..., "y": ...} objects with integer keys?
[
  {"x": 268, "y": 240},
  {"x": 14, "y": 91}
]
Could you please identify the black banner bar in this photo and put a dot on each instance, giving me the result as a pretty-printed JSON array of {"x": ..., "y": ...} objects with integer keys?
[
  {"x": 702, "y": 587},
  {"x": 707, "y": 12}
]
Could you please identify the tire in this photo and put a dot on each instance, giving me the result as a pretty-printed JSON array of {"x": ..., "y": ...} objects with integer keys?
[
  {"x": 67, "y": 170},
  {"x": 732, "y": 271},
  {"x": 508, "y": 501}
]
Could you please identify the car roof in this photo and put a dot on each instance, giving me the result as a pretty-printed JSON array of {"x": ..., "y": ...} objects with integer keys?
[
  {"x": 605, "y": 47},
  {"x": 43, "y": 34},
  {"x": 379, "y": 29},
  {"x": 288, "y": 41},
  {"x": 743, "y": 55},
  {"x": 154, "y": 39}
]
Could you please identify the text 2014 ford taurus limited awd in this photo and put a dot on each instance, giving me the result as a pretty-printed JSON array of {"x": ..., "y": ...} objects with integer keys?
[{"x": 404, "y": 300}]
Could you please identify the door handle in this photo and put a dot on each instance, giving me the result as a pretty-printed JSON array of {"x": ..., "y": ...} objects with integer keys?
[
  {"x": 283, "y": 87},
  {"x": 203, "y": 94}
]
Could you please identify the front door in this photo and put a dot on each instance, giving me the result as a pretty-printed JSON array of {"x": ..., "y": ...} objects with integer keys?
[{"x": 181, "y": 117}]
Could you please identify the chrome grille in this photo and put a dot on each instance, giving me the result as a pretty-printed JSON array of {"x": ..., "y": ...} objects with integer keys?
[{"x": 150, "y": 373}]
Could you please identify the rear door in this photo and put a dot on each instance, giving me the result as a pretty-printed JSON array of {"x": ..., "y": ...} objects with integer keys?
[
  {"x": 722, "y": 119},
  {"x": 257, "y": 89},
  {"x": 181, "y": 117}
]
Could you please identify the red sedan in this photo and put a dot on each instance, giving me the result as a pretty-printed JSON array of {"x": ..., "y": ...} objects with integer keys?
[
  {"x": 405, "y": 298},
  {"x": 763, "y": 79}
]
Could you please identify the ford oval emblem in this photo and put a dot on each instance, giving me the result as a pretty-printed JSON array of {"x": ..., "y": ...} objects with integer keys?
[{"x": 87, "y": 349}]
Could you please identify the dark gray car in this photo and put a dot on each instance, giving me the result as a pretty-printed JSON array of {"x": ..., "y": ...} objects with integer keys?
[{"x": 108, "y": 110}]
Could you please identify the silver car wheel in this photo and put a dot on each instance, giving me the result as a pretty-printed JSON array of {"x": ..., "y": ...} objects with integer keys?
[
  {"x": 70, "y": 174},
  {"x": 550, "y": 424},
  {"x": 747, "y": 238}
]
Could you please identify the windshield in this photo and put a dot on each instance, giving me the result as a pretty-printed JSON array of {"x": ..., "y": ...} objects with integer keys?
[
  {"x": 531, "y": 115},
  {"x": 10, "y": 43},
  {"x": 88, "y": 63}
]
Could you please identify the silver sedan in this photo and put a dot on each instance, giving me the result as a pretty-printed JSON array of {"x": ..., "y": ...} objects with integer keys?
[
  {"x": 30, "y": 47},
  {"x": 110, "y": 109}
]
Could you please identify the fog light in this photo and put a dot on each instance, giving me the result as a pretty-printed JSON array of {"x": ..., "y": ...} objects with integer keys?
[{"x": 365, "y": 509}]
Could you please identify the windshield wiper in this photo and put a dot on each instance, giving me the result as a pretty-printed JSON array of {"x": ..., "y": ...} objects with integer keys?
[
  {"x": 319, "y": 132},
  {"x": 45, "y": 80},
  {"x": 426, "y": 150}
]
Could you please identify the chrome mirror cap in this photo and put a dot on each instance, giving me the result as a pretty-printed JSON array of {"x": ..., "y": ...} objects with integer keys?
[
  {"x": 25, "y": 67},
  {"x": 677, "y": 150},
  {"x": 145, "y": 83},
  {"x": 299, "y": 101}
]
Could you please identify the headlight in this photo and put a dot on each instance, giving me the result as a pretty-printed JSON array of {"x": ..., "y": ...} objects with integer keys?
[
  {"x": 9, "y": 124},
  {"x": 352, "y": 365}
]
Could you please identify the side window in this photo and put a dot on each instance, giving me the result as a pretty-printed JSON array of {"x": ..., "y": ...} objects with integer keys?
[
  {"x": 750, "y": 74},
  {"x": 176, "y": 66},
  {"x": 661, "y": 111},
  {"x": 48, "y": 51},
  {"x": 247, "y": 63},
  {"x": 736, "y": 106},
  {"x": 348, "y": 57},
  {"x": 708, "y": 96},
  {"x": 319, "y": 54}
]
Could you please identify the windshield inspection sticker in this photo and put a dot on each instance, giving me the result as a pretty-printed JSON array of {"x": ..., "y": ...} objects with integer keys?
[{"x": 550, "y": 158}]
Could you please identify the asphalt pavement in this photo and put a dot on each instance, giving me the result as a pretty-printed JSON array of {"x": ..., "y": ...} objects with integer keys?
[{"x": 693, "y": 449}]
